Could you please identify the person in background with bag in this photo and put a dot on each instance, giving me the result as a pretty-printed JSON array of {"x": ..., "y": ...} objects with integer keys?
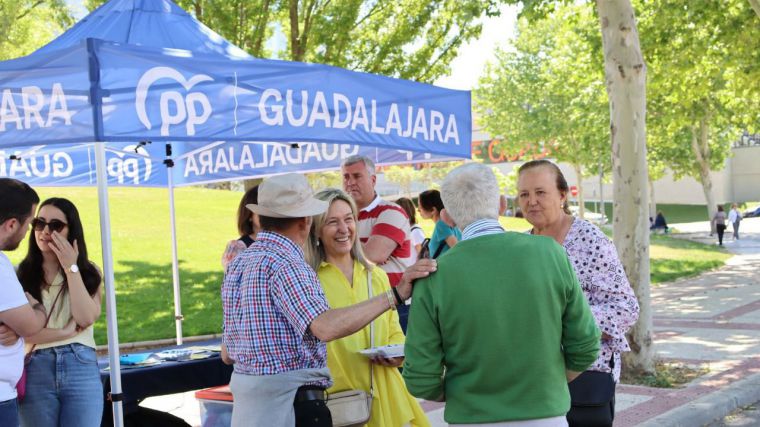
[
  {"x": 542, "y": 195},
  {"x": 444, "y": 236},
  {"x": 735, "y": 218},
  {"x": 247, "y": 225},
  {"x": 20, "y": 316},
  {"x": 719, "y": 223},
  {"x": 418, "y": 235},
  {"x": 502, "y": 325},
  {"x": 344, "y": 272},
  {"x": 276, "y": 316},
  {"x": 63, "y": 378}
]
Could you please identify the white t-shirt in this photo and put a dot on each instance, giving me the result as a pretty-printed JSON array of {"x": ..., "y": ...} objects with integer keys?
[
  {"x": 11, "y": 357},
  {"x": 733, "y": 216},
  {"x": 418, "y": 236}
]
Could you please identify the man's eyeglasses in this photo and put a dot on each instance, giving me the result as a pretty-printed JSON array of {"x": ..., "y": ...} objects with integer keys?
[{"x": 54, "y": 225}]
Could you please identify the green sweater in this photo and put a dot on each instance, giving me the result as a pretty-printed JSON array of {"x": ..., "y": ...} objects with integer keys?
[{"x": 493, "y": 330}]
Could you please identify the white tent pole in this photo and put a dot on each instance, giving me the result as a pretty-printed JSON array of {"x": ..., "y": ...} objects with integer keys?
[
  {"x": 178, "y": 318},
  {"x": 108, "y": 277}
]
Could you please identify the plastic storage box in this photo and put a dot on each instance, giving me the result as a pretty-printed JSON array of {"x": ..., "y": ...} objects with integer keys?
[{"x": 216, "y": 406}]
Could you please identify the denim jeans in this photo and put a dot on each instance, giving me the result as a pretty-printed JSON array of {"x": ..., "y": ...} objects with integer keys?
[
  {"x": 9, "y": 413},
  {"x": 63, "y": 388}
]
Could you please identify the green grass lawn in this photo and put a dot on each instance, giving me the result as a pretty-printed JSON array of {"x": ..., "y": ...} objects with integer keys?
[
  {"x": 205, "y": 222},
  {"x": 673, "y": 213},
  {"x": 673, "y": 258}
]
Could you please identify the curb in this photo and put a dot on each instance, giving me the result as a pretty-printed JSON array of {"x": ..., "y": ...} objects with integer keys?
[{"x": 712, "y": 407}]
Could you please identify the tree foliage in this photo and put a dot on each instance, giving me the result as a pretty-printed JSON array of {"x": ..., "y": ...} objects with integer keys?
[
  {"x": 30, "y": 24},
  {"x": 549, "y": 90},
  {"x": 409, "y": 39},
  {"x": 328, "y": 179},
  {"x": 704, "y": 59},
  {"x": 403, "y": 176}
]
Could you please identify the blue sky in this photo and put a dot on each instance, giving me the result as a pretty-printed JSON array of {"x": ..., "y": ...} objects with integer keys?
[{"x": 467, "y": 67}]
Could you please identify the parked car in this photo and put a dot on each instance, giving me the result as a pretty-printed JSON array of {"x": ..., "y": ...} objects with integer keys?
[
  {"x": 590, "y": 215},
  {"x": 752, "y": 212}
]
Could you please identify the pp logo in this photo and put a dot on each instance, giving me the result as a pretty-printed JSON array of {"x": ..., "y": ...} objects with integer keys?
[
  {"x": 126, "y": 167},
  {"x": 193, "y": 108}
]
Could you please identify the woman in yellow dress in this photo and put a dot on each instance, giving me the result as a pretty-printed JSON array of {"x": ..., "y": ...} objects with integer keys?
[{"x": 336, "y": 254}]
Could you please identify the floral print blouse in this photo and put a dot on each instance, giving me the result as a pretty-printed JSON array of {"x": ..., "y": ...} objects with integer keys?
[{"x": 606, "y": 287}]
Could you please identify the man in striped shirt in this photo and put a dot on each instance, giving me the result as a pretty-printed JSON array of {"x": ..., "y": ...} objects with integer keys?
[{"x": 383, "y": 226}]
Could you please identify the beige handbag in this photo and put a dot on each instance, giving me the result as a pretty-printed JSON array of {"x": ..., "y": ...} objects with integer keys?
[{"x": 354, "y": 407}]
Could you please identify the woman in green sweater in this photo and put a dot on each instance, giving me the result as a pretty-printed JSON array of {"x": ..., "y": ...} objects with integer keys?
[{"x": 502, "y": 325}]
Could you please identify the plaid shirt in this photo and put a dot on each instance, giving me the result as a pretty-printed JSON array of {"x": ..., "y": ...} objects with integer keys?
[{"x": 270, "y": 296}]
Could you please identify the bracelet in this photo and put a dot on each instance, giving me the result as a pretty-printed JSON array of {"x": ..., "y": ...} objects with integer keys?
[
  {"x": 399, "y": 300},
  {"x": 389, "y": 295}
]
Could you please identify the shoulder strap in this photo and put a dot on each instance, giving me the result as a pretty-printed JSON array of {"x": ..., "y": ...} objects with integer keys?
[
  {"x": 424, "y": 249},
  {"x": 50, "y": 313},
  {"x": 371, "y": 333},
  {"x": 439, "y": 250}
]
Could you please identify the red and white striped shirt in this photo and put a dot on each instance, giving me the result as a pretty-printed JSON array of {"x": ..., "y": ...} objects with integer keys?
[{"x": 387, "y": 219}]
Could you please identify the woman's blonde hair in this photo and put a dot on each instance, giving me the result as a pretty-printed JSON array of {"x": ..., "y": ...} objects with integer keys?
[{"x": 314, "y": 251}]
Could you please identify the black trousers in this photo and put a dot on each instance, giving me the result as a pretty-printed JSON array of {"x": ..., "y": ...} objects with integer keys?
[
  {"x": 312, "y": 413},
  {"x": 720, "y": 228}
]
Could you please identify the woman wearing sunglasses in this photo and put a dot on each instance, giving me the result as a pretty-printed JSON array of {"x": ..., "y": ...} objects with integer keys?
[{"x": 63, "y": 381}]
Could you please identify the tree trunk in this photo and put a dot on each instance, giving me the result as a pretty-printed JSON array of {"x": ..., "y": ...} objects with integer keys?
[
  {"x": 755, "y": 6},
  {"x": 295, "y": 42},
  {"x": 652, "y": 201},
  {"x": 625, "y": 72},
  {"x": 699, "y": 140},
  {"x": 581, "y": 203}
]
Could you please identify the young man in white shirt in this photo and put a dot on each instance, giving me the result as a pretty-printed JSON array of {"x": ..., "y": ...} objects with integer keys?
[{"x": 20, "y": 314}]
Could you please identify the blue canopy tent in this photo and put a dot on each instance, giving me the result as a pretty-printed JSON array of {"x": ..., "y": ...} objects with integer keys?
[{"x": 110, "y": 81}]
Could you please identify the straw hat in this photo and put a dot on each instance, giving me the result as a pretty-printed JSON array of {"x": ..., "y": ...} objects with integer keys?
[{"x": 287, "y": 196}]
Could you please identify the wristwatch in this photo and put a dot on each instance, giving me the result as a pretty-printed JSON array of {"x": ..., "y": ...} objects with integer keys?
[{"x": 73, "y": 269}]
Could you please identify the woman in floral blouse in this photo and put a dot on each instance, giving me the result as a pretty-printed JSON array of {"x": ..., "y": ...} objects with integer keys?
[{"x": 542, "y": 195}]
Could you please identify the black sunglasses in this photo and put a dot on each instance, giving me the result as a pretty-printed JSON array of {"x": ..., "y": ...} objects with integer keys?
[{"x": 54, "y": 225}]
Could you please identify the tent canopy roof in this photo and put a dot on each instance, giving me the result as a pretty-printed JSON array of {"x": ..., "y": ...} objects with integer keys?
[{"x": 153, "y": 23}]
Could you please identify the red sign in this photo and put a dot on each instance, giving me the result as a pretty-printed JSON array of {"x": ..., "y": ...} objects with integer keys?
[
  {"x": 490, "y": 152},
  {"x": 573, "y": 190}
]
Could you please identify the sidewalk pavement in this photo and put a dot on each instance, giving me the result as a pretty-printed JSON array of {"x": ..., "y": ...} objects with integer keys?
[{"x": 710, "y": 321}]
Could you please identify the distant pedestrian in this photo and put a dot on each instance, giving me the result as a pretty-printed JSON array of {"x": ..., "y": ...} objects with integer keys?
[
  {"x": 719, "y": 223},
  {"x": 735, "y": 217},
  {"x": 659, "y": 223}
]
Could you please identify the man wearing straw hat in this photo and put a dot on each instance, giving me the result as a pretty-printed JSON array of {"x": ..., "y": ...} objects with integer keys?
[{"x": 276, "y": 317}]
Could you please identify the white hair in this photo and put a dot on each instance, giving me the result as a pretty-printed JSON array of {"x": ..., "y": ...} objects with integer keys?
[
  {"x": 358, "y": 158},
  {"x": 470, "y": 193}
]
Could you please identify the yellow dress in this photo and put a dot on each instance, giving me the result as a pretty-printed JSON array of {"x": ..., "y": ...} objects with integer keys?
[{"x": 393, "y": 406}]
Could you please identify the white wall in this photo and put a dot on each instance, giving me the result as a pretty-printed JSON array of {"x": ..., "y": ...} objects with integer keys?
[{"x": 739, "y": 182}]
